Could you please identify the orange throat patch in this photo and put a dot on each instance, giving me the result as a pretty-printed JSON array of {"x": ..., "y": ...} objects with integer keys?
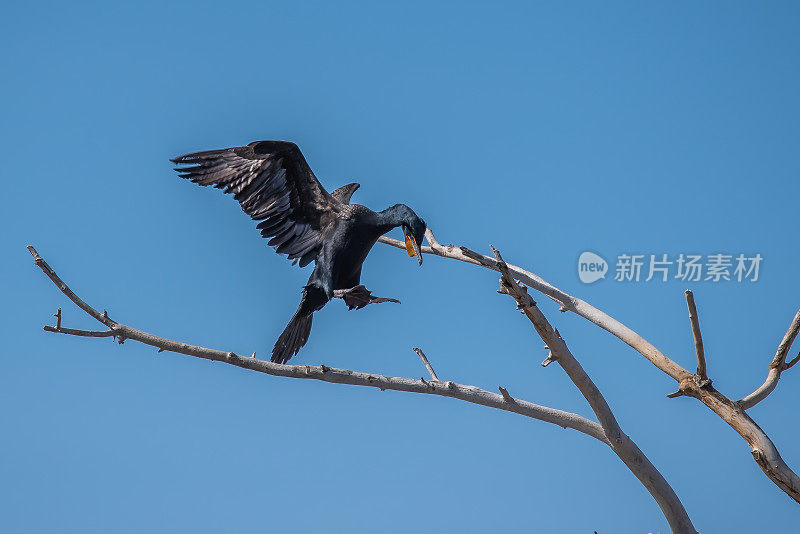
[{"x": 410, "y": 247}]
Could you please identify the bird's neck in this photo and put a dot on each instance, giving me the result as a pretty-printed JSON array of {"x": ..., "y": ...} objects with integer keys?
[{"x": 393, "y": 217}]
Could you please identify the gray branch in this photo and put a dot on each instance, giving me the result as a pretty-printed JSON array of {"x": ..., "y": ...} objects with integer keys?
[
  {"x": 777, "y": 366},
  {"x": 324, "y": 373},
  {"x": 426, "y": 363},
  {"x": 565, "y": 301},
  {"x": 694, "y": 320},
  {"x": 607, "y": 432},
  {"x": 620, "y": 443},
  {"x": 763, "y": 450}
]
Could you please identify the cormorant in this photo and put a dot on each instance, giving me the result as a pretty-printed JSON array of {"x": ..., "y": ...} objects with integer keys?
[{"x": 274, "y": 185}]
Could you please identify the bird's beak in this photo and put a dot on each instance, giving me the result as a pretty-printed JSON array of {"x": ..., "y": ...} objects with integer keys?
[{"x": 412, "y": 247}]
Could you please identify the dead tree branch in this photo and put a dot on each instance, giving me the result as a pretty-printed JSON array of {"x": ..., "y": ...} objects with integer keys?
[
  {"x": 777, "y": 366},
  {"x": 763, "y": 450},
  {"x": 426, "y": 363},
  {"x": 622, "y": 445},
  {"x": 565, "y": 301},
  {"x": 607, "y": 432},
  {"x": 324, "y": 373},
  {"x": 701, "y": 375}
]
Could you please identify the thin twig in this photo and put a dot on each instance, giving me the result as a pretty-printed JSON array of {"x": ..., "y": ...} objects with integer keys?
[
  {"x": 698, "y": 339},
  {"x": 776, "y": 366},
  {"x": 82, "y": 333},
  {"x": 102, "y": 317},
  {"x": 791, "y": 363},
  {"x": 427, "y": 364},
  {"x": 786, "y": 342}
]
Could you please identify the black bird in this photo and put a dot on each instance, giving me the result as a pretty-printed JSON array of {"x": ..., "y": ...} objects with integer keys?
[{"x": 274, "y": 185}]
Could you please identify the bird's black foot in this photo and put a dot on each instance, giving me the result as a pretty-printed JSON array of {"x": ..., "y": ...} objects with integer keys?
[{"x": 358, "y": 297}]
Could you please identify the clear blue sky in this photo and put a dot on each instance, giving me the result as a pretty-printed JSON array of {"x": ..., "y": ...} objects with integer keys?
[{"x": 546, "y": 130}]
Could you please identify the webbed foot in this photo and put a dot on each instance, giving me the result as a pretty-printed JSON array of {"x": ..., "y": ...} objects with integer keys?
[{"x": 358, "y": 297}]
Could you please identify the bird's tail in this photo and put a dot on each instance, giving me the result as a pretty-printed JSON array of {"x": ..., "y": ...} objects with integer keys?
[{"x": 294, "y": 336}]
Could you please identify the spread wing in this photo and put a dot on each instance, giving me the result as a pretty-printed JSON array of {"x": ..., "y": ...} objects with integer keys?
[{"x": 274, "y": 185}]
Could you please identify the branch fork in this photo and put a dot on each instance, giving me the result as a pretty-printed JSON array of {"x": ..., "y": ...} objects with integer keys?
[
  {"x": 426, "y": 363},
  {"x": 515, "y": 282},
  {"x": 732, "y": 412},
  {"x": 322, "y": 372}
]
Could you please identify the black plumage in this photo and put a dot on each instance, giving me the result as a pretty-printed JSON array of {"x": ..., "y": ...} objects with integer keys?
[{"x": 275, "y": 186}]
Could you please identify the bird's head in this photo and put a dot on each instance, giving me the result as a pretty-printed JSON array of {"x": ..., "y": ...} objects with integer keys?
[{"x": 414, "y": 230}]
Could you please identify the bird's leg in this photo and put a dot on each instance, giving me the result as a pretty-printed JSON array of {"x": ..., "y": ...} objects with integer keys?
[{"x": 358, "y": 297}]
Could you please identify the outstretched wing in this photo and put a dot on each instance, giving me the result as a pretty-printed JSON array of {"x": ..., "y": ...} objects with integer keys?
[{"x": 274, "y": 185}]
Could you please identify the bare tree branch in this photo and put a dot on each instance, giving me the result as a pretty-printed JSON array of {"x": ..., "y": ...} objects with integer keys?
[
  {"x": 763, "y": 450},
  {"x": 506, "y": 395},
  {"x": 427, "y": 363},
  {"x": 83, "y": 333},
  {"x": 102, "y": 317},
  {"x": 791, "y": 363},
  {"x": 776, "y": 367},
  {"x": 702, "y": 375},
  {"x": 324, "y": 373},
  {"x": 565, "y": 301},
  {"x": 622, "y": 445}
]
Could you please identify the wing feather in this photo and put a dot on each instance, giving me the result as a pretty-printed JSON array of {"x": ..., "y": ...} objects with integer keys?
[{"x": 274, "y": 185}]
